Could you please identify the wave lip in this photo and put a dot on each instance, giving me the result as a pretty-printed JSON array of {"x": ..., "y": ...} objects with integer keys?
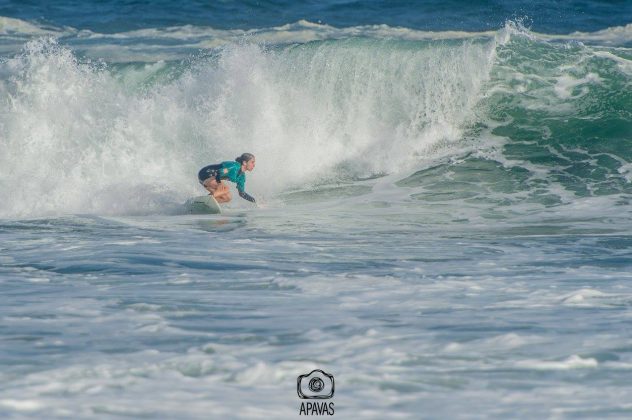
[
  {"x": 159, "y": 43},
  {"x": 617, "y": 35},
  {"x": 12, "y": 26}
]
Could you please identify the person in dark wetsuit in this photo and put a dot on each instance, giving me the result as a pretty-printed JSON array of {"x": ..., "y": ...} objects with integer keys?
[{"x": 211, "y": 177}]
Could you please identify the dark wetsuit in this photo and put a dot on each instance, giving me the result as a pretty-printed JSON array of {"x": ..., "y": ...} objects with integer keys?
[{"x": 226, "y": 170}]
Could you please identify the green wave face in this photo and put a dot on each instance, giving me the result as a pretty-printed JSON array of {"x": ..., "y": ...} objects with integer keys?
[
  {"x": 565, "y": 110},
  {"x": 554, "y": 123}
]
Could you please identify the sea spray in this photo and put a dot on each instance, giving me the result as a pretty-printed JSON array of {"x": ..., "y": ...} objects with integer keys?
[
  {"x": 71, "y": 133},
  {"x": 82, "y": 138}
]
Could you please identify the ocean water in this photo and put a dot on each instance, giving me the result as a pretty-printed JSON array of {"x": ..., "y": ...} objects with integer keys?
[{"x": 444, "y": 216}]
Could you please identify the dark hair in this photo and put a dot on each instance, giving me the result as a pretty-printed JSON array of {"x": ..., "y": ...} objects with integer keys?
[{"x": 245, "y": 157}]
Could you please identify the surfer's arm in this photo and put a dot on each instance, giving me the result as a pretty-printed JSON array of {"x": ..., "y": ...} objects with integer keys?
[
  {"x": 241, "y": 183},
  {"x": 246, "y": 196}
]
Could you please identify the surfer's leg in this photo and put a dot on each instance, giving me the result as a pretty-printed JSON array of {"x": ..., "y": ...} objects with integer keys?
[
  {"x": 211, "y": 185},
  {"x": 222, "y": 193}
]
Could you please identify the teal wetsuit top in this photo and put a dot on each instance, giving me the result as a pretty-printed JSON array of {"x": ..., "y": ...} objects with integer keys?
[{"x": 230, "y": 170}]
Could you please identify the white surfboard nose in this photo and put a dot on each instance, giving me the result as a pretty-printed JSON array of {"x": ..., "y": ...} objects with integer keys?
[{"x": 204, "y": 204}]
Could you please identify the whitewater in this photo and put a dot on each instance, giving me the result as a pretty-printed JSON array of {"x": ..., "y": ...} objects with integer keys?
[{"x": 443, "y": 221}]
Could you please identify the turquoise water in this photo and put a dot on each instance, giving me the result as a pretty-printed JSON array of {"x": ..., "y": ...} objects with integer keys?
[{"x": 443, "y": 222}]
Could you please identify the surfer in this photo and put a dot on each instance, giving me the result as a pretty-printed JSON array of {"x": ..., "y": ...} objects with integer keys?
[{"x": 211, "y": 177}]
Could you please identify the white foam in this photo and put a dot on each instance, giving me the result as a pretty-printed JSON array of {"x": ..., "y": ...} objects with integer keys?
[
  {"x": 625, "y": 65},
  {"x": 586, "y": 297},
  {"x": 572, "y": 362},
  {"x": 566, "y": 84},
  {"x": 80, "y": 139},
  {"x": 302, "y": 31},
  {"x": 13, "y": 26},
  {"x": 616, "y": 35},
  {"x": 581, "y": 296},
  {"x": 39, "y": 280},
  {"x": 149, "y": 44},
  {"x": 21, "y": 405}
]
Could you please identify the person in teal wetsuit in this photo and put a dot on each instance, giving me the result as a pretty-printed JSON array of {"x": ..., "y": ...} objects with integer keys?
[{"x": 211, "y": 177}]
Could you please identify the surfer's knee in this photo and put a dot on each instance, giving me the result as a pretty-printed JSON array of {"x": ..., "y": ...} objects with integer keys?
[{"x": 223, "y": 198}]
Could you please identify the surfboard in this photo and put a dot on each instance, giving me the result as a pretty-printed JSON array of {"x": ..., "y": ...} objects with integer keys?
[{"x": 204, "y": 204}]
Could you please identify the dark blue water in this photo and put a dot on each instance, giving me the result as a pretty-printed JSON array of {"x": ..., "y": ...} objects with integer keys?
[{"x": 118, "y": 15}]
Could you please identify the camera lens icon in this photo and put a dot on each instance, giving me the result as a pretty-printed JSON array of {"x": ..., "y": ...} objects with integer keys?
[{"x": 317, "y": 385}]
